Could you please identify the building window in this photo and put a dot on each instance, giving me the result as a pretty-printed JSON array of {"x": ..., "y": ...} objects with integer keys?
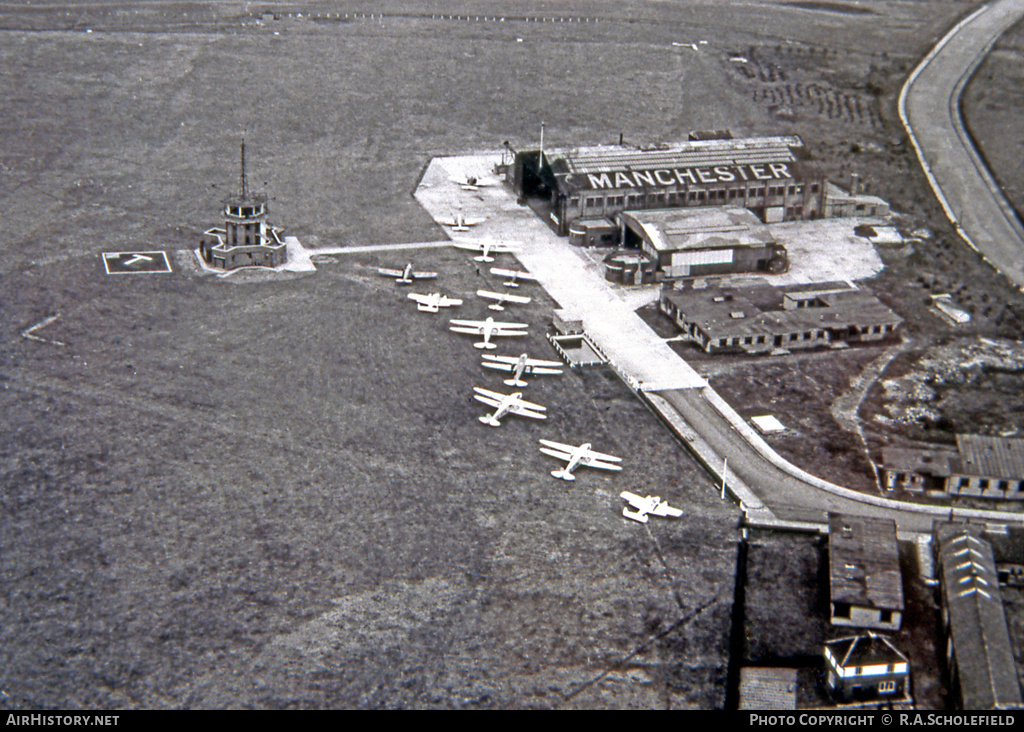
[{"x": 886, "y": 687}]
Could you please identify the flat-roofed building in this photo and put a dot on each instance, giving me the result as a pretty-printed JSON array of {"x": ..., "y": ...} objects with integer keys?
[
  {"x": 705, "y": 240},
  {"x": 866, "y": 668},
  {"x": 765, "y": 319},
  {"x": 979, "y": 652},
  {"x": 865, "y": 582}
]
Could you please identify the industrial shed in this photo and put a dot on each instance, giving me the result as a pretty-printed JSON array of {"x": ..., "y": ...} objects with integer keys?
[
  {"x": 979, "y": 651},
  {"x": 765, "y": 319}
]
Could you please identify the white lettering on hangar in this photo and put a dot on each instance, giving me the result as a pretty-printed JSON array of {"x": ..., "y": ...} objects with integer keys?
[{"x": 663, "y": 177}]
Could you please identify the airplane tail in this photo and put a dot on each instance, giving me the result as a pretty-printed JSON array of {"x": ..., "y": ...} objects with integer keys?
[
  {"x": 635, "y": 515},
  {"x": 490, "y": 421},
  {"x": 514, "y": 382},
  {"x": 563, "y": 474},
  {"x": 484, "y": 344}
]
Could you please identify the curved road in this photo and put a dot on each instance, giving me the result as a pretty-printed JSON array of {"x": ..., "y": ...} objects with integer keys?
[{"x": 930, "y": 110}]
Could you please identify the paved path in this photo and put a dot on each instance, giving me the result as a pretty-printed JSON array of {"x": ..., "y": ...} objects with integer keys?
[
  {"x": 930, "y": 110},
  {"x": 773, "y": 491}
]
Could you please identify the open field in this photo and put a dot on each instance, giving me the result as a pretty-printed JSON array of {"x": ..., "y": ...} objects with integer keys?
[{"x": 272, "y": 490}]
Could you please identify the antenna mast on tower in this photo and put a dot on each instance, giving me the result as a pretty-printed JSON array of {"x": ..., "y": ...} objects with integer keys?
[{"x": 242, "y": 179}]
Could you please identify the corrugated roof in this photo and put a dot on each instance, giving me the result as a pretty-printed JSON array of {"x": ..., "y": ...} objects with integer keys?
[
  {"x": 994, "y": 457},
  {"x": 977, "y": 621},
  {"x": 697, "y": 153}
]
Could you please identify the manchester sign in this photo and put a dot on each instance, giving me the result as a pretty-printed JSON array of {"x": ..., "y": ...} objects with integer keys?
[{"x": 691, "y": 177}]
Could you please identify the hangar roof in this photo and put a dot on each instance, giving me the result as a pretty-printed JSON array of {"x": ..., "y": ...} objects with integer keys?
[
  {"x": 700, "y": 227},
  {"x": 692, "y": 153},
  {"x": 994, "y": 457}
]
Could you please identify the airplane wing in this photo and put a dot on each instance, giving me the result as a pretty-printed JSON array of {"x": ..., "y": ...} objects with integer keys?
[
  {"x": 479, "y": 246},
  {"x": 421, "y": 299},
  {"x": 500, "y": 361},
  {"x": 487, "y": 400},
  {"x": 488, "y": 393},
  {"x": 507, "y": 332},
  {"x": 537, "y": 363},
  {"x": 634, "y": 500},
  {"x": 556, "y": 453},
  {"x": 502, "y": 297},
  {"x": 663, "y": 509},
  {"x": 526, "y": 409},
  {"x": 522, "y": 403},
  {"x": 598, "y": 464},
  {"x": 463, "y": 221},
  {"x": 390, "y": 272},
  {"x": 449, "y": 301},
  {"x": 512, "y": 273},
  {"x": 559, "y": 447},
  {"x": 423, "y": 275},
  {"x": 590, "y": 456},
  {"x": 471, "y": 330}
]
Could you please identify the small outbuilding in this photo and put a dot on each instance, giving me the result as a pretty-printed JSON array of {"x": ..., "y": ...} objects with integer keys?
[{"x": 865, "y": 668}]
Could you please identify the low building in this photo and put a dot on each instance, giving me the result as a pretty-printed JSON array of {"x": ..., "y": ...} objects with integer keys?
[
  {"x": 866, "y": 668},
  {"x": 765, "y": 319},
  {"x": 705, "y": 240},
  {"x": 980, "y": 467},
  {"x": 979, "y": 651},
  {"x": 865, "y": 582},
  {"x": 247, "y": 239}
]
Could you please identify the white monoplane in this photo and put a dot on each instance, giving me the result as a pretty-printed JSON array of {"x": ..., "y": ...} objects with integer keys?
[
  {"x": 577, "y": 456},
  {"x": 488, "y": 329},
  {"x": 407, "y": 275},
  {"x": 473, "y": 183},
  {"x": 519, "y": 366},
  {"x": 461, "y": 222},
  {"x": 433, "y": 302},
  {"x": 651, "y": 505},
  {"x": 507, "y": 404},
  {"x": 500, "y": 298},
  {"x": 485, "y": 247},
  {"x": 513, "y": 276}
]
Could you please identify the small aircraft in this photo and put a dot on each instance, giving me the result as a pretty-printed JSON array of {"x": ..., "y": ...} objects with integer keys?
[
  {"x": 488, "y": 329},
  {"x": 580, "y": 455},
  {"x": 501, "y": 298},
  {"x": 434, "y": 302},
  {"x": 407, "y": 275},
  {"x": 651, "y": 505},
  {"x": 507, "y": 404},
  {"x": 485, "y": 248},
  {"x": 519, "y": 366},
  {"x": 460, "y": 222},
  {"x": 473, "y": 183},
  {"x": 513, "y": 276}
]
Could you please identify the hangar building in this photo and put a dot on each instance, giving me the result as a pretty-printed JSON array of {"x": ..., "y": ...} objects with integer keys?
[
  {"x": 771, "y": 176},
  {"x": 705, "y": 240}
]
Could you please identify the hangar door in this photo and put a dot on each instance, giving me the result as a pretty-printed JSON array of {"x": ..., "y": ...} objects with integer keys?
[{"x": 683, "y": 263}]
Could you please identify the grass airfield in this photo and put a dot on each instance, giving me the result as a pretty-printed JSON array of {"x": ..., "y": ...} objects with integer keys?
[{"x": 272, "y": 490}]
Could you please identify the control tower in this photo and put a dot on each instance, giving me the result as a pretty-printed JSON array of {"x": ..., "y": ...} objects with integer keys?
[{"x": 246, "y": 240}]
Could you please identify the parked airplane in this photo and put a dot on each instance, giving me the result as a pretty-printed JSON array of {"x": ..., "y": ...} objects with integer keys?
[
  {"x": 485, "y": 248},
  {"x": 577, "y": 456},
  {"x": 513, "y": 276},
  {"x": 500, "y": 298},
  {"x": 488, "y": 329},
  {"x": 507, "y": 404},
  {"x": 651, "y": 505},
  {"x": 519, "y": 366},
  {"x": 461, "y": 222},
  {"x": 434, "y": 302},
  {"x": 406, "y": 276},
  {"x": 473, "y": 183}
]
